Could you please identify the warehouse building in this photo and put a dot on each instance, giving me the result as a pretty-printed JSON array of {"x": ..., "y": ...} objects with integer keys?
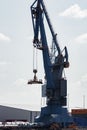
[{"x": 9, "y": 114}]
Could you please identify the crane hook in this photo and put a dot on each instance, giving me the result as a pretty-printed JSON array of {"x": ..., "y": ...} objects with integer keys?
[{"x": 35, "y": 79}]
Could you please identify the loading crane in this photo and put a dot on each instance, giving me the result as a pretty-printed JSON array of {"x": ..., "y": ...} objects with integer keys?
[{"x": 54, "y": 62}]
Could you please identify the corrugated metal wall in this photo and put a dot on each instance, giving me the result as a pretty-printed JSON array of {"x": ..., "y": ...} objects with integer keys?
[{"x": 10, "y": 113}]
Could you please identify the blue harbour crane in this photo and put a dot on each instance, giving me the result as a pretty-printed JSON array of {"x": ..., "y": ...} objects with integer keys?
[{"x": 54, "y": 62}]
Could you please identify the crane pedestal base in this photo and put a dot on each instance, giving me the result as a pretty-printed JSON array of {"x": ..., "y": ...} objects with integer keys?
[{"x": 55, "y": 114}]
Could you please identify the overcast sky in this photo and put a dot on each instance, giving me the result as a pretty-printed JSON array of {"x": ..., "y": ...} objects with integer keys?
[{"x": 69, "y": 19}]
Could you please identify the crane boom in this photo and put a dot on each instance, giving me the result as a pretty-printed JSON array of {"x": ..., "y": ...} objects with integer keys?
[{"x": 51, "y": 28}]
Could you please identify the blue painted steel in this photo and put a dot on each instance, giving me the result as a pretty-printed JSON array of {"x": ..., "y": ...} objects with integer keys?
[
  {"x": 51, "y": 28},
  {"x": 56, "y": 86},
  {"x": 46, "y": 58},
  {"x": 80, "y": 121}
]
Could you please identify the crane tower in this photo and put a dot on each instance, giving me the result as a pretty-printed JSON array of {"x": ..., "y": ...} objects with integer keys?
[{"x": 55, "y": 61}]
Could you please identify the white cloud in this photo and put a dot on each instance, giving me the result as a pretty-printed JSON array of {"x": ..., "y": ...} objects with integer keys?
[
  {"x": 77, "y": 90},
  {"x": 81, "y": 83},
  {"x": 3, "y": 63},
  {"x": 4, "y": 38},
  {"x": 74, "y": 11},
  {"x": 29, "y": 37},
  {"x": 20, "y": 82},
  {"x": 84, "y": 81},
  {"x": 82, "y": 39}
]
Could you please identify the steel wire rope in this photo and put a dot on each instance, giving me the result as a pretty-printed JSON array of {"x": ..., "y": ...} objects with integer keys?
[{"x": 35, "y": 58}]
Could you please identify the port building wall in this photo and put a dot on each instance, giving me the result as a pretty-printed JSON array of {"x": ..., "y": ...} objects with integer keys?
[{"x": 14, "y": 114}]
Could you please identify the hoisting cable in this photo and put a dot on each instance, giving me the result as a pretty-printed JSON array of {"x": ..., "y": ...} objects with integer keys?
[
  {"x": 35, "y": 79},
  {"x": 34, "y": 58}
]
